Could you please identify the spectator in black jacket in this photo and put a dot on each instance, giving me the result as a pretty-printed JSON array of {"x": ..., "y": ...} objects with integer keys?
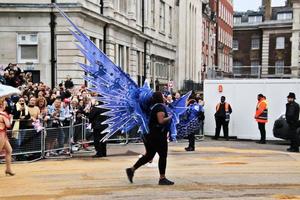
[
  {"x": 96, "y": 118},
  {"x": 292, "y": 117}
]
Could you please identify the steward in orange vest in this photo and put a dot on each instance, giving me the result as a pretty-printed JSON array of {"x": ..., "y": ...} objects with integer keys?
[
  {"x": 222, "y": 117},
  {"x": 261, "y": 116}
]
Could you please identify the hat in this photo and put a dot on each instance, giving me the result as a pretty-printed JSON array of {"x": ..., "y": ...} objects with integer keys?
[
  {"x": 292, "y": 95},
  {"x": 67, "y": 100}
]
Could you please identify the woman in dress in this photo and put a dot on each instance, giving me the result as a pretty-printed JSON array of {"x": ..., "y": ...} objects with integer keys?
[{"x": 4, "y": 143}]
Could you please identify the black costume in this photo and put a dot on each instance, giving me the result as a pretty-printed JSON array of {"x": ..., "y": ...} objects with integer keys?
[
  {"x": 96, "y": 119},
  {"x": 292, "y": 117},
  {"x": 156, "y": 141}
]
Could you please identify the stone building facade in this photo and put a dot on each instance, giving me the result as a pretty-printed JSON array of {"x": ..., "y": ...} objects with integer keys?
[
  {"x": 143, "y": 37},
  {"x": 296, "y": 39}
]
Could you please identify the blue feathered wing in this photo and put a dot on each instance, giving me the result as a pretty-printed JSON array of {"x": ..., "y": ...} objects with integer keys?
[
  {"x": 128, "y": 105},
  {"x": 119, "y": 93}
]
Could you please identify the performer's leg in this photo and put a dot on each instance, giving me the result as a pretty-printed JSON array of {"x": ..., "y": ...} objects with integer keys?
[
  {"x": 162, "y": 150},
  {"x": 2, "y": 141},
  {"x": 150, "y": 153},
  {"x": 163, "y": 153},
  {"x": 8, "y": 153},
  {"x": 191, "y": 138}
]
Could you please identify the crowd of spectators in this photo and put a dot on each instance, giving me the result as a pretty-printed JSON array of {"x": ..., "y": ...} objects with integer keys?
[{"x": 40, "y": 106}]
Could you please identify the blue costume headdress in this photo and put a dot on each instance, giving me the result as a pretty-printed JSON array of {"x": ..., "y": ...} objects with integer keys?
[{"x": 128, "y": 104}]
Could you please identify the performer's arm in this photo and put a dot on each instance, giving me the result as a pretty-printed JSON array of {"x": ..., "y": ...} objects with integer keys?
[
  {"x": 6, "y": 122},
  {"x": 162, "y": 119}
]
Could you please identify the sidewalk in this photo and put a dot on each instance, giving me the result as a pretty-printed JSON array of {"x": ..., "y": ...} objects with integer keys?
[{"x": 216, "y": 170}]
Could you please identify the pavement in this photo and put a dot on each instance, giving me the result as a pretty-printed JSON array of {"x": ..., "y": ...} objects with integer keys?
[{"x": 221, "y": 170}]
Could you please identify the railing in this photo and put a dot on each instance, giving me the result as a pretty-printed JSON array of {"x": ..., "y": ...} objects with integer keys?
[
  {"x": 63, "y": 142},
  {"x": 251, "y": 72},
  {"x": 262, "y": 72}
]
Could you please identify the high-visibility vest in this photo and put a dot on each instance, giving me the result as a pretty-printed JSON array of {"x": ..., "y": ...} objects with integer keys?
[
  {"x": 227, "y": 114},
  {"x": 264, "y": 115}
]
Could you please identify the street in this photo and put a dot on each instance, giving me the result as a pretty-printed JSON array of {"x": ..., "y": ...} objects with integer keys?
[{"x": 216, "y": 170}]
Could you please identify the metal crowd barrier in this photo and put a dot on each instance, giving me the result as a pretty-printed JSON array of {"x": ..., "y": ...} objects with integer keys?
[
  {"x": 27, "y": 144},
  {"x": 62, "y": 142}
]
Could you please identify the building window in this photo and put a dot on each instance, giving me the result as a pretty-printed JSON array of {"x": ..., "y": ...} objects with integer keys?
[
  {"x": 170, "y": 21},
  {"x": 162, "y": 16},
  {"x": 127, "y": 60},
  {"x": 235, "y": 45},
  {"x": 254, "y": 67},
  {"x": 254, "y": 19},
  {"x": 284, "y": 16},
  {"x": 123, "y": 6},
  {"x": 139, "y": 13},
  {"x": 280, "y": 42},
  {"x": 27, "y": 48},
  {"x": 161, "y": 70},
  {"x": 279, "y": 67},
  {"x": 101, "y": 7},
  {"x": 237, "y": 64},
  {"x": 140, "y": 67},
  {"x": 101, "y": 44},
  {"x": 254, "y": 63},
  {"x": 237, "y": 67},
  {"x": 255, "y": 43},
  {"x": 153, "y": 12},
  {"x": 121, "y": 56}
]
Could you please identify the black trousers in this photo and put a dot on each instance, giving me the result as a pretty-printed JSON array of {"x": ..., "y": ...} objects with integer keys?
[
  {"x": 221, "y": 122},
  {"x": 262, "y": 130},
  {"x": 294, "y": 137},
  {"x": 191, "y": 138},
  {"x": 100, "y": 147},
  {"x": 153, "y": 146}
]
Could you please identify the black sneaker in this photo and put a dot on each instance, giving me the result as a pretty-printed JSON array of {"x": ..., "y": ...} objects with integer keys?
[
  {"x": 130, "y": 174},
  {"x": 261, "y": 142},
  {"x": 189, "y": 149},
  {"x": 165, "y": 181},
  {"x": 97, "y": 156},
  {"x": 292, "y": 150}
]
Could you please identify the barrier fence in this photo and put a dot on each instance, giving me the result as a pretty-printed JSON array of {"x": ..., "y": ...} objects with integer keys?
[{"x": 62, "y": 142}]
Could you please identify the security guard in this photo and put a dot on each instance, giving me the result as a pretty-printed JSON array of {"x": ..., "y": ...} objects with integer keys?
[
  {"x": 222, "y": 117},
  {"x": 261, "y": 116}
]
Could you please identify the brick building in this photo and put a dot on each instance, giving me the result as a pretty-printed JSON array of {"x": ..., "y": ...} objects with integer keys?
[
  {"x": 217, "y": 34},
  {"x": 262, "y": 42},
  {"x": 208, "y": 36},
  {"x": 224, "y": 35}
]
